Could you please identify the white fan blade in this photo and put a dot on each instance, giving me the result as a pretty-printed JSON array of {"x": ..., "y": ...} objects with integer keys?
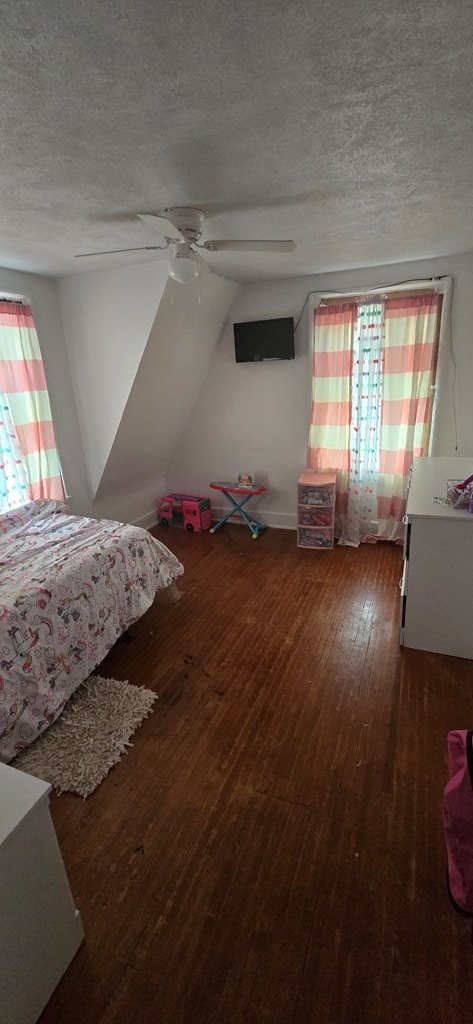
[
  {"x": 163, "y": 225},
  {"x": 260, "y": 245},
  {"x": 108, "y": 252}
]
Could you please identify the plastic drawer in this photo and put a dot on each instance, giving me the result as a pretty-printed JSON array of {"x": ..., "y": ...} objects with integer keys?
[{"x": 313, "y": 537}]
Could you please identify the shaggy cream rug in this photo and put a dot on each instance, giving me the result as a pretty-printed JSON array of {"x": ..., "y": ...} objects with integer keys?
[{"x": 77, "y": 752}]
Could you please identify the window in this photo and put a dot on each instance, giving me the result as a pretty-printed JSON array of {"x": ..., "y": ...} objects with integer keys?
[
  {"x": 374, "y": 365},
  {"x": 29, "y": 465}
]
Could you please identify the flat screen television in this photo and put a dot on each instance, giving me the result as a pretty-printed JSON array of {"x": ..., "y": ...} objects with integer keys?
[{"x": 264, "y": 339}]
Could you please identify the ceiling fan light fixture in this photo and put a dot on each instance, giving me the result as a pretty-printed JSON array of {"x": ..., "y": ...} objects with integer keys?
[{"x": 183, "y": 265}]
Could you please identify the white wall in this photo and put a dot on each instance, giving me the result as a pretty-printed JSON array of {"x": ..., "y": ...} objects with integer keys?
[
  {"x": 42, "y": 294},
  {"x": 255, "y": 416}
]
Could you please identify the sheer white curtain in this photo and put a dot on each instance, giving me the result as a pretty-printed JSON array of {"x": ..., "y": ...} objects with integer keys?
[
  {"x": 365, "y": 423},
  {"x": 13, "y": 481}
]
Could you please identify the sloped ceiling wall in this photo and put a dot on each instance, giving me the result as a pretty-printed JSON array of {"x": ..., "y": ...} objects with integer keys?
[
  {"x": 139, "y": 347},
  {"x": 107, "y": 318},
  {"x": 174, "y": 365}
]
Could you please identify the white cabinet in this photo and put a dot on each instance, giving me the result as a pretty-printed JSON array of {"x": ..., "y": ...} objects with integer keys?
[
  {"x": 40, "y": 928},
  {"x": 437, "y": 580}
]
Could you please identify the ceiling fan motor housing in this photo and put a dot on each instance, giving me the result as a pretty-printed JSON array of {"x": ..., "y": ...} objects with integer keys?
[{"x": 187, "y": 219}]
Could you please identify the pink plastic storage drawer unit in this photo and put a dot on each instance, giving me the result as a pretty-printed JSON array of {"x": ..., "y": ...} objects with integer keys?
[
  {"x": 316, "y": 509},
  {"x": 186, "y": 510}
]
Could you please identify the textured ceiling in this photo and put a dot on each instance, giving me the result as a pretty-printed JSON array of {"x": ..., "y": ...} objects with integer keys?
[{"x": 344, "y": 124}]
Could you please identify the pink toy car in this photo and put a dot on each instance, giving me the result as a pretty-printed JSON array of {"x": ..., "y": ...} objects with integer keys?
[{"x": 185, "y": 510}]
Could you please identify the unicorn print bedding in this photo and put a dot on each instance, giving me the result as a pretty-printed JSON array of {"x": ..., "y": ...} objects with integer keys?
[{"x": 69, "y": 587}]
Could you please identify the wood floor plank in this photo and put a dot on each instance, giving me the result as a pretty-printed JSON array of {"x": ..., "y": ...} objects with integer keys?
[{"x": 271, "y": 848}]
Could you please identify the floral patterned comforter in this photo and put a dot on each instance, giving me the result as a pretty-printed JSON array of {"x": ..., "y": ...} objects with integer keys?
[{"x": 69, "y": 587}]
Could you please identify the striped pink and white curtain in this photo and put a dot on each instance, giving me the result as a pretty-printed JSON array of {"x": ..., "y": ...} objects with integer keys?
[
  {"x": 373, "y": 369},
  {"x": 30, "y": 466}
]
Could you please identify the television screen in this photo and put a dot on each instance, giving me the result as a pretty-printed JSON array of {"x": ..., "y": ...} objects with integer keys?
[{"x": 264, "y": 339}]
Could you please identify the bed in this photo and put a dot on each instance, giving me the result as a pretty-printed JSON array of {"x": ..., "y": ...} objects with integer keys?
[{"x": 70, "y": 586}]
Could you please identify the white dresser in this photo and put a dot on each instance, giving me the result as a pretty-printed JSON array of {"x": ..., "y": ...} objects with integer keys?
[
  {"x": 40, "y": 928},
  {"x": 437, "y": 580}
]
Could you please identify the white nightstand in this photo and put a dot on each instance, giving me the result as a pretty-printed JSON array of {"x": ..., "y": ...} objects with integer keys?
[{"x": 40, "y": 928}]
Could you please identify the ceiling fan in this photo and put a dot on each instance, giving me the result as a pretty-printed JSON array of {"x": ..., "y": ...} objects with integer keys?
[{"x": 181, "y": 228}]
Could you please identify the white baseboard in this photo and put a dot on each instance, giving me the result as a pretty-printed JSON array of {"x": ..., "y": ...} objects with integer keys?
[
  {"x": 280, "y": 520},
  {"x": 150, "y": 519}
]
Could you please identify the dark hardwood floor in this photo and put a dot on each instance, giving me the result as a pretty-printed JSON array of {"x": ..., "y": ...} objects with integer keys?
[{"x": 270, "y": 850}]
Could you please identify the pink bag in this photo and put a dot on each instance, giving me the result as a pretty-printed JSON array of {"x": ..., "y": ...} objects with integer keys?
[{"x": 458, "y": 820}]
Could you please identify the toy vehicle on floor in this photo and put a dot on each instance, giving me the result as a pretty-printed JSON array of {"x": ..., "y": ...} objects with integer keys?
[{"x": 188, "y": 511}]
